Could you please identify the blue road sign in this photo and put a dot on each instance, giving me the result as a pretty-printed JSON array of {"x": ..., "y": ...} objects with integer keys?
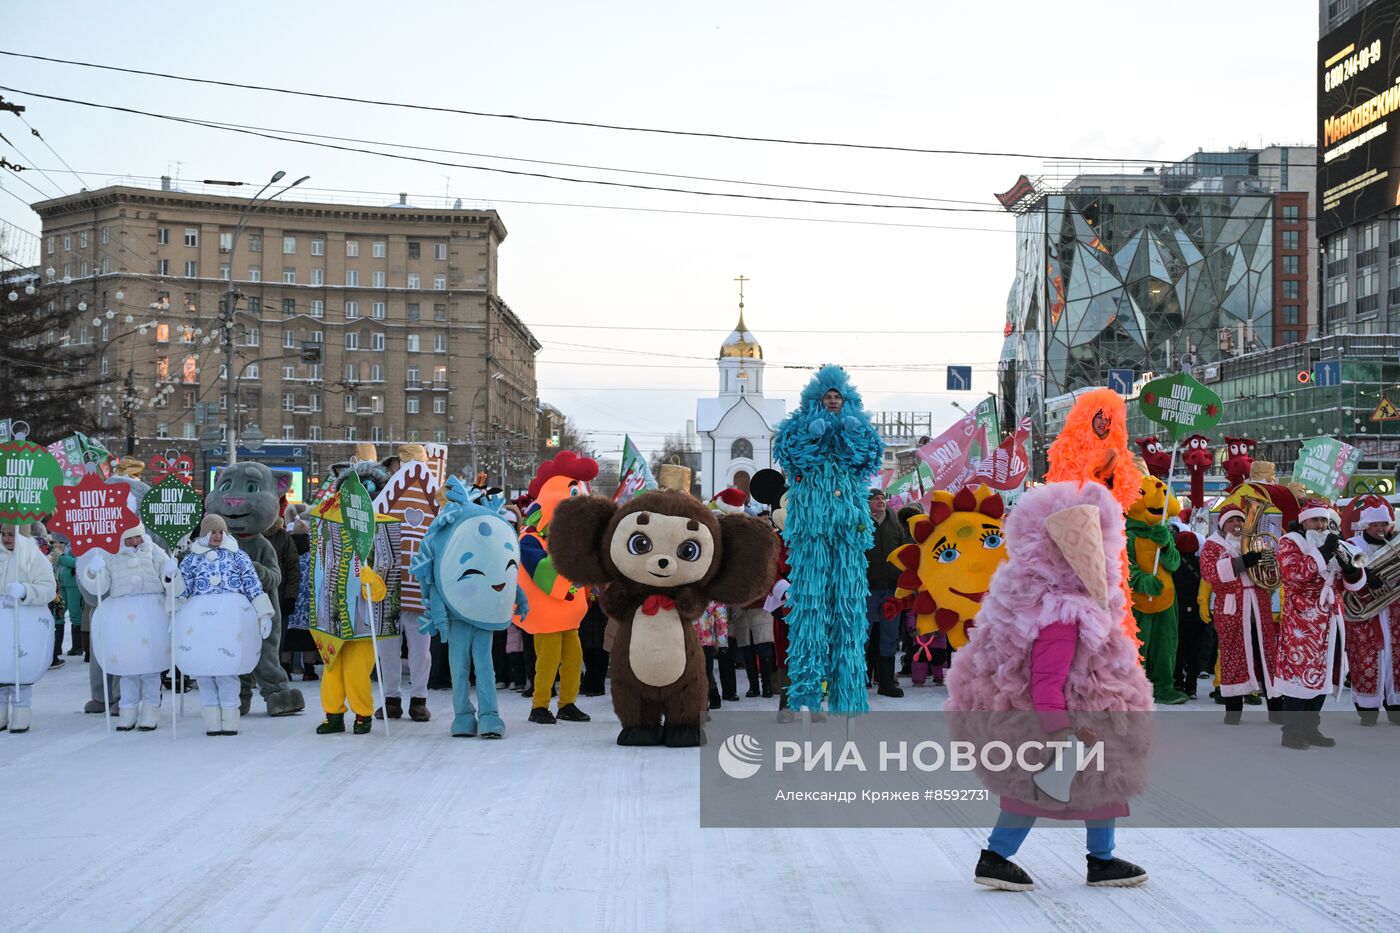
[
  {"x": 1327, "y": 373},
  {"x": 1121, "y": 380},
  {"x": 959, "y": 378}
]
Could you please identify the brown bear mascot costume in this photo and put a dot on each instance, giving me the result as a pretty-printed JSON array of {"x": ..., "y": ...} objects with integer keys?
[{"x": 663, "y": 557}]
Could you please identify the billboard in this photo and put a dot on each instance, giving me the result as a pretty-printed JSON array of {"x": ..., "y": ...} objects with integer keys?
[{"x": 1357, "y": 98}]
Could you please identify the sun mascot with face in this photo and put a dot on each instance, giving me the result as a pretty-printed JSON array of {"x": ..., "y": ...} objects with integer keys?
[
  {"x": 1152, "y": 557},
  {"x": 959, "y": 546}
]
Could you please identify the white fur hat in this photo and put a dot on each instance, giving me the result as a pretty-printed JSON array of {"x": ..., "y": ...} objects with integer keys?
[
  {"x": 1372, "y": 514},
  {"x": 1229, "y": 512}
]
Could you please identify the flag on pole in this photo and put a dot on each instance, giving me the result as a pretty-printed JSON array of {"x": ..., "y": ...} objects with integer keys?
[{"x": 636, "y": 474}]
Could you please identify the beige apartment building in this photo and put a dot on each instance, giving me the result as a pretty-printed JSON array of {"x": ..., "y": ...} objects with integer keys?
[{"x": 402, "y": 303}]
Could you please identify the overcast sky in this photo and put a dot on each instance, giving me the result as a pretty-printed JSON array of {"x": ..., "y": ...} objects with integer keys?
[{"x": 1131, "y": 80}]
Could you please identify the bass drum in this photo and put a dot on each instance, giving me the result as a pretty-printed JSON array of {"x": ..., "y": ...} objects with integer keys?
[
  {"x": 131, "y": 634},
  {"x": 35, "y": 624},
  {"x": 217, "y": 635}
]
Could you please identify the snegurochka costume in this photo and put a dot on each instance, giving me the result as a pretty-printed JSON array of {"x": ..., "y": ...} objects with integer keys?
[
  {"x": 829, "y": 458},
  {"x": 1152, "y": 557},
  {"x": 343, "y": 621},
  {"x": 27, "y": 586}
]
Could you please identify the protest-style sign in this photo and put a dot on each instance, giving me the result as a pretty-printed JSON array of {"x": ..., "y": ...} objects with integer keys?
[
  {"x": 29, "y": 474},
  {"x": 171, "y": 510},
  {"x": 92, "y": 514},
  {"x": 1180, "y": 404},
  {"x": 1325, "y": 465},
  {"x": 357, "y": 514}
]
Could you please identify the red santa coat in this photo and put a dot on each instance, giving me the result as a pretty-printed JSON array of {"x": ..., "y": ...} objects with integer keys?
[
  {"x": 1312, "y": 631},
  {"x": 1240, "y": 615},
  {"x": 1370, "y": 649}
]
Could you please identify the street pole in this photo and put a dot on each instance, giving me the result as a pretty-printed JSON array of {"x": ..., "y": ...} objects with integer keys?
[{"x": 130, "y": 411}]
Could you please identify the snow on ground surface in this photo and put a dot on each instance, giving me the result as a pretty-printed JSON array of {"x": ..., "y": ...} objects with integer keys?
[{"x": 556, "y": 828}]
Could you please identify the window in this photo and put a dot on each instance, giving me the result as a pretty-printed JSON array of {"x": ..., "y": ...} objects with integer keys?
[
  {"x": 318, "y": 247},
  {"x": 318, "y": 308},
  {"x": 440, "y": 405},
  {"x": 318, "y": 336},
  {"x": 1336, "y": 291},
  {"x": 288, "y": 432},
  {"x": 376, "y": 373},
  {"x": 191, "y": 269},
  {"x": 439, "y": 312},
  {"x": 376, "y": 279},
  {"x": 440, "y": 283},
  {"x": 225, "y": 241},
  {"x": 163, "y": 267},
  {"x": 1290, "y": 239},
  {"x": 413, "y": 435},
  {"x": 376, "y": 404},
  {"x": 376, "y": 341},
  {"x": 412, "y": 375},
  {"x": 313, "y": 401},
  {"x": 255, "y": 242},
  {"x": 1290, "y": 213},
  {"x": 191, "y": 237},
  {"x": 352, "y": 310},
  {"x": 289, "y": 339},
  {"x": 352, "y": 248},
  {"x": 318, "y": 276},
  {"x": 376, "y": 310},
  {"x": 67, "y": 270},
  {"x": 351, "y": 403},
  {"x": 1367, "y": 281},
  {"x": 253, "y": 337},
  {"x": 162, "y": 368},
  {"x": 289, "y": 276},
  {"x": 254, "y": 306},
  {"x": 742, "y": 449},
  {"x": 352, "y": 372},
  {"x": 376, "y": 433},
  {"x": 1290, "y": 289},
  {"x": 352, "y": 341},
  {"x": 289, "y": 307},
  {"x": 440, "y": 437},
  {"x": 189, "y": 373},
  {"x": 289, "y": 373},
  {"x": 412, "y": 343},
  {"x": 162, "y": 429},
  {"x": 189, "y": 428},
  {"x": 440, "y": 251},
  {"x": 162, "y": 238},
  {"x": 225, "y": 272},
  {"x": 315, "y": 432},
  {"x": 440, "y": 375},
  {"x": 255, "y": 273},
  {"x": 414, "y": 403},
  {"x": 411, "y": 314},
  {"x": 1290, "y": 314},
  {"x": 379, "y": 249},
  {"x": 1290, "y": 265},
  {"x": 1337, "y": 248},
  {"x": 289, "y": 401},
  {"x": 106, "y": 237},
  {"x": 440, "y": 343},
  {"x": 289, "y": 245},
  {"x": 351, "y": 434},
  {"x": 415, "y": 249},
  {"x": 254, "y": 371},
  {"x": 1369, "y": 237},
  {"x": 414, "y": 281},
  {"x": 352, "y": 278},
  {"x": 82, "y": 239}
]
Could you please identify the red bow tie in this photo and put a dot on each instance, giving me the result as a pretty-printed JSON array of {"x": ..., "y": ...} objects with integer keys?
[{"x": 656, "y": 603}]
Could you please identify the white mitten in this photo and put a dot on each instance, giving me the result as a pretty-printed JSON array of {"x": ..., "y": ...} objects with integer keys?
[
  {"x": 266, "y": 623},
  {"x": 170, "y": 568},
  {"x": 15, "y": 591}
]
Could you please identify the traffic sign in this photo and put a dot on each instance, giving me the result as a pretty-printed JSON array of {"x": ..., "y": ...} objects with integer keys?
[
  {"x": 1386, "y": 411},
  {"x": 1121, "y": 380},
  {"x": 959, "y": 378},
  {"x": 1327, "y": 373}
]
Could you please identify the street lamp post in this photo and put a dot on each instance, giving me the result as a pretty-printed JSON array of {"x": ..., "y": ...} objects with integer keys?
[
  {"x": 476, "y": 458},
  {"x": 228, "y": 307}
]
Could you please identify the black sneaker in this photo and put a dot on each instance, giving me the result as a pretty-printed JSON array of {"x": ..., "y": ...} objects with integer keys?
[
  {"x": 1320, "y": 740},
  {"x": 571, "y": 713},
  {"x": 1114, "y": 873},
  {"x": 542, "y": 715},
  {"x": 1002, "y": 874}
]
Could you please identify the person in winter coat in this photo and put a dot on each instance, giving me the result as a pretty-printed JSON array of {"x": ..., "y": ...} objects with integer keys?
[
  {"x": 1049, "y": 660},
  {"x": 1371, "y": 644},
  {"x": 883, "y": 637},
  {"x": 1242, "y": 619},
  {"x": 26, "y": 579},
  {"x": 134, "y": 633},
  {"x": 216, "y": 565},
  {"x": 289, "y": 561},
  {"x": 713, "y": 630},
  {"x": 66, "y": 570},
  {"x": 1187, "y": 580},
  {"x": 296, "y": 638},
  {"x": 595, "y": 657}
]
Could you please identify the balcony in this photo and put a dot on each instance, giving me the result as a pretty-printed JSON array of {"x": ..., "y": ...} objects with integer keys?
[
  {"x": 413, "y": 385},
  {"x": 438, "y": 385}
]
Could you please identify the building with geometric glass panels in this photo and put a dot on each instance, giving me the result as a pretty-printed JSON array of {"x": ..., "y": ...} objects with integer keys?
[{"x": 1136, "y": 282}]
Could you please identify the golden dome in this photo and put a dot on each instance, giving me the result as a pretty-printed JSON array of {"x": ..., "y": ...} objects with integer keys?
[{"x": 741, "y": 344}]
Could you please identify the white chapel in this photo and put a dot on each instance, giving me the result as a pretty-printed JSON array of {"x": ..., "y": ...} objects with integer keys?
[{"x": 736, "y": 429}]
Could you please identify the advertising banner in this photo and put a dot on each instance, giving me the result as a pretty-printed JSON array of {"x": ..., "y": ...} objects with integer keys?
[{"x": 1325, "y": 466}]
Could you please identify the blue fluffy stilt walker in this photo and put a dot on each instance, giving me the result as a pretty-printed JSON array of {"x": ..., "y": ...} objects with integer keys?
[{"x": 830, "y": 459}]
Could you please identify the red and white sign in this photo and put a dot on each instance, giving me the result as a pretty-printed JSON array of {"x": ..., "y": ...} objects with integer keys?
[
  {"x": 947, "y": 455},
  {"x": 92, "y": 514},
  {"x": 1008, "y": 465}
]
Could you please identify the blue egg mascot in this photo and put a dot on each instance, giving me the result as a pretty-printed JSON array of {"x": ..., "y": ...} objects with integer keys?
[
  {"x": 831, "y": 453},
  {"x": 468, "y": 566}
]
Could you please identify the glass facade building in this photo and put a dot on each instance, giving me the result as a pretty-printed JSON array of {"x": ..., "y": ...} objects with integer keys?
[{"x": 1132, "y": 282}]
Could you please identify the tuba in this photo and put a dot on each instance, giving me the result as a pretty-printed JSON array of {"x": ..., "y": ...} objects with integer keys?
[
  {"x": 1382, "y": 584},
  {"x": 1265, "y": 574}
]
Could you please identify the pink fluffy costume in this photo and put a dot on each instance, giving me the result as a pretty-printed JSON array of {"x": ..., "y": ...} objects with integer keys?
[{"x": 1049, "y": 659}]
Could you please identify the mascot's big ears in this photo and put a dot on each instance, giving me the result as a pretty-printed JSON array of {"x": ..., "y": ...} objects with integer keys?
[
  {"x": 577, "y": 544},
  {"x": 769, "y": 487}
]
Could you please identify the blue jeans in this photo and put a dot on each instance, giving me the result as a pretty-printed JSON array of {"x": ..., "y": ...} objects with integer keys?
[
  {"x": 1012, "y": 828},
  {"x": 887, "y": 629},
  {"x": 469, "y": 647}
]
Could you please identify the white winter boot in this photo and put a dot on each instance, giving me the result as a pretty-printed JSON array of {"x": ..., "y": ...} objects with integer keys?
[
  {"x": 19, "y": 722},
  {"x": 212, "y": 723},
  {"x": 126, "y": 718},
  {"x": 150, "y": 717},
  {"x": 230, "y": 719}
]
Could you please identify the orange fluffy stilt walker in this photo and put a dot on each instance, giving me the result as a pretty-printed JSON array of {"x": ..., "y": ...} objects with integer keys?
[{"x": 1093, "y": 447}]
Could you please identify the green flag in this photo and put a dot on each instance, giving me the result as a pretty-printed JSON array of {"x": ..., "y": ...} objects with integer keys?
[
  {"x": 171, "y": 510},
  {"x": 1325, "y": 466},
  {"x": 1180, "y": 404},
  {"x": 28, "y": 476},
  {"x": 636, "y": 473},
  {"x": 357, "y": 514}
]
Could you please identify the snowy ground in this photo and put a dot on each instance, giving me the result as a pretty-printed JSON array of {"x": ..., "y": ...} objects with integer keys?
[{"x": 556, "y": 828}]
